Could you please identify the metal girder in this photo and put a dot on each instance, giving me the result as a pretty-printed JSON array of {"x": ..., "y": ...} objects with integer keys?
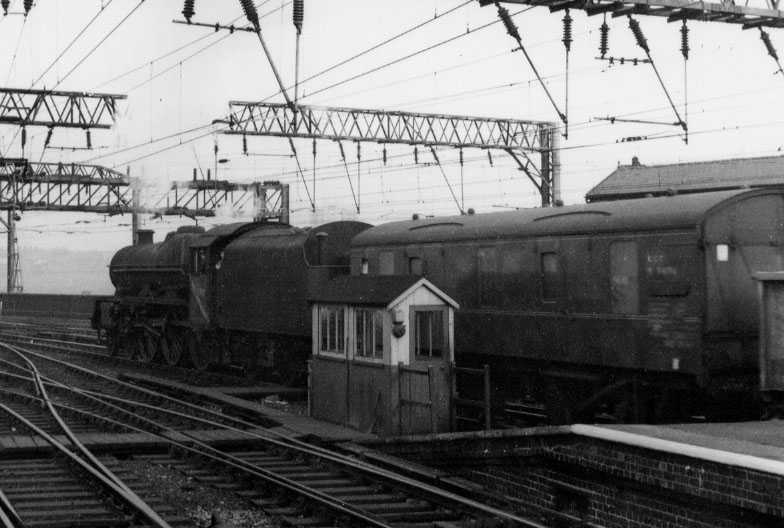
[
  {"x": 406, "y": 128},
  {"x": 270, "y": 200},
  {"x": 380, "y": 126},
  {"x": 49, "y": 108},
  {"x": 674, "y": 10},
  {"x": 59, "y": 172}
]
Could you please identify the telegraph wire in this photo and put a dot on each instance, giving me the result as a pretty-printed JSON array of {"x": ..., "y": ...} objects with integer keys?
[
  {"x": 416, "y": 53},
  {"x": 100, "y": 42},
  {"x": 182, "y": 47},
  {"x": 73, "y": 41}
]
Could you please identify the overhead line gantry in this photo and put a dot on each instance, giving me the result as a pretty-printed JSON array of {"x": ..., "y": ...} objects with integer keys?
[
  {"x": 524, "y": 140},
  {"x": 673, "y": 10}
]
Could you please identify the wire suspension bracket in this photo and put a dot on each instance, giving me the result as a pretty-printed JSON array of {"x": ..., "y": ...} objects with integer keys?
[{"x": 513, "y": 32}]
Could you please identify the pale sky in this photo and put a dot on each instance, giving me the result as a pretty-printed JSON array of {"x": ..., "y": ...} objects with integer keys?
[{"x": 733, "y": 97}]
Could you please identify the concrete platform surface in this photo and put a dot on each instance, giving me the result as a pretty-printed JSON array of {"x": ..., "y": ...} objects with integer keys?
[{"x": 757, "y": 439}]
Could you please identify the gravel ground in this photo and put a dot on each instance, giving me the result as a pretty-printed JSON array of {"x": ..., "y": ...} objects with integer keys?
[{"x": 207, "y": 506}]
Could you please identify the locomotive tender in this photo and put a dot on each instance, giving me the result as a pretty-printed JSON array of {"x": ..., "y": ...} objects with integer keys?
[
  {"x": 638, "y": 310},
  {"x": 236, "y": 294}
]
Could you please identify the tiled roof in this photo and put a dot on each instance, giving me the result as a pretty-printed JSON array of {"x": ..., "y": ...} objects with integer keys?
[{"x": 637, "y": 180}]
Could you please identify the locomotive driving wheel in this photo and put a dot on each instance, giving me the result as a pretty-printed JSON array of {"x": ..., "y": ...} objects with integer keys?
[
  {"x": 199, "y": 350},
  {"x": 147, "y": 345},
  {"x": 173, "y": 344}
]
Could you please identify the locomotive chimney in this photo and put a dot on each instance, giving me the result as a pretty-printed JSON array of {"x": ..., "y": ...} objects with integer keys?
[
  {"x": 144, "y": 237},
  {"x": 321, "y": 238}
]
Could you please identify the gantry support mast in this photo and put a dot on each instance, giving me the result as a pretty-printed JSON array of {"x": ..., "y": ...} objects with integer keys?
[{"x": 523, "y": 140}]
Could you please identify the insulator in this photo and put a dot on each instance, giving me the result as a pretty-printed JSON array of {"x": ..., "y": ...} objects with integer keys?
[
  {"x": 5, "y": 4},
  {"x": 567, "y": 31},
  {"x": 685, "y": 41},
  {"x": 188, "y": 11},
  {"x": 384, "y": 155},
  {"x": 48, "y": 137},
  {"x": 768, "y": 44},
  {"x": 342, "y": 152},
  {"x": 604, "y": 39},
  {"x": 506, "y": 18},
  {"x": 28, "y": 5},
  {"x": 461, "y": 156},
  {"x": 89, "y": 139},
  {"x": 245, "y": 144},
  {"x": 299, "y": 14},
  {"x": 490, "y": 158},
  {"x": 251, "y": 13},
  {"x": 416, "y": 156},
  {"x": 359, "y": 151},
  {"x": 635, "y": 27},
  {"x": 24, "y": 137},
  {"x": 314, "y": 147}
]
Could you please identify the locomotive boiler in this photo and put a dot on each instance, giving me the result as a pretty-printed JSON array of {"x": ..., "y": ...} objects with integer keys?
[
  {"x": 632, "y": 310},
  {"x": 236, "y": 294}
]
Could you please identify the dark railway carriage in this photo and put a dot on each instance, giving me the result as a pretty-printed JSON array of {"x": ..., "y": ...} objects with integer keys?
[
  {"x": 636, "y": 309},
  {"x": 236, "y": 294}
]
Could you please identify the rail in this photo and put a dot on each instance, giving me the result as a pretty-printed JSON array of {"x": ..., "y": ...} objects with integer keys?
[{"x": 280, "y": 440}]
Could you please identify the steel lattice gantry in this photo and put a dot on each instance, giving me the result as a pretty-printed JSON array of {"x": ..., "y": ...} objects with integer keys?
[
  {"x": 519, "y": 138},
  {"x": 62, "y": 187},
  {"x": 270, "y": 199},
  {"x": 674, "y": 10},
  {"x": 57, "y": 109},
  {"x": 29, "y": 186}
]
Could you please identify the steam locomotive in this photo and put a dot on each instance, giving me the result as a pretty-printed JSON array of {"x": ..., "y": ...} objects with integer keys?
[
  {"x": 236, "y": 294},
  {"x": 635, "y": 310}
]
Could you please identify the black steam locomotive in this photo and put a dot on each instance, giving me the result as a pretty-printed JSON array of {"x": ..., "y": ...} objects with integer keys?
[
  {"x": 236, "y": 294},
  {"x": 637, "y": 309}
]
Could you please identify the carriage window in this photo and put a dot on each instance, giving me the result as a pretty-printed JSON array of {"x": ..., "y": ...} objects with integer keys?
[
  {"x": 369, "y": 334},
  {"x": 363, "y": 267},
  {"x": 331, "y": 320},
  {"x": 386, "y": 263},
  {"x": 624, "y": 283},
  {"x": 552, "y": 277},
  {"x": 430, "y": 336},
  {"x": 416, "y": 266}
]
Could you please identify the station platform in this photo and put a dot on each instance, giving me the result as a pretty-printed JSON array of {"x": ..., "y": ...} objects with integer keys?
[{"x": 764, "y": 440}]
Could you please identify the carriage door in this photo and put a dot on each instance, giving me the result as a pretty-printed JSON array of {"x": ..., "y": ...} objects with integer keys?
[{"x": 624, "y": 291}]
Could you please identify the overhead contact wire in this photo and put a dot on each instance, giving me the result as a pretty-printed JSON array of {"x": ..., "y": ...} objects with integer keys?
[
  {"x": 104, "y": 39},
  {"x": 73, "y": 41}
]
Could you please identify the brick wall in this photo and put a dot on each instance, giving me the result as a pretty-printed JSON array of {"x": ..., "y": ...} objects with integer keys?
[{"x": 544, "y": 471}]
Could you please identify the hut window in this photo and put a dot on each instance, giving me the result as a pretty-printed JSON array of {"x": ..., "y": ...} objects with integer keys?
[
  {"x": 369, "y": 334},
  {"x": 430, "y": 336},
  {"x": 331, "y": 321}
]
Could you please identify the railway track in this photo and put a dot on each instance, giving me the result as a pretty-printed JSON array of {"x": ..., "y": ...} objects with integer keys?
[{"x": 302, "y": 484}]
